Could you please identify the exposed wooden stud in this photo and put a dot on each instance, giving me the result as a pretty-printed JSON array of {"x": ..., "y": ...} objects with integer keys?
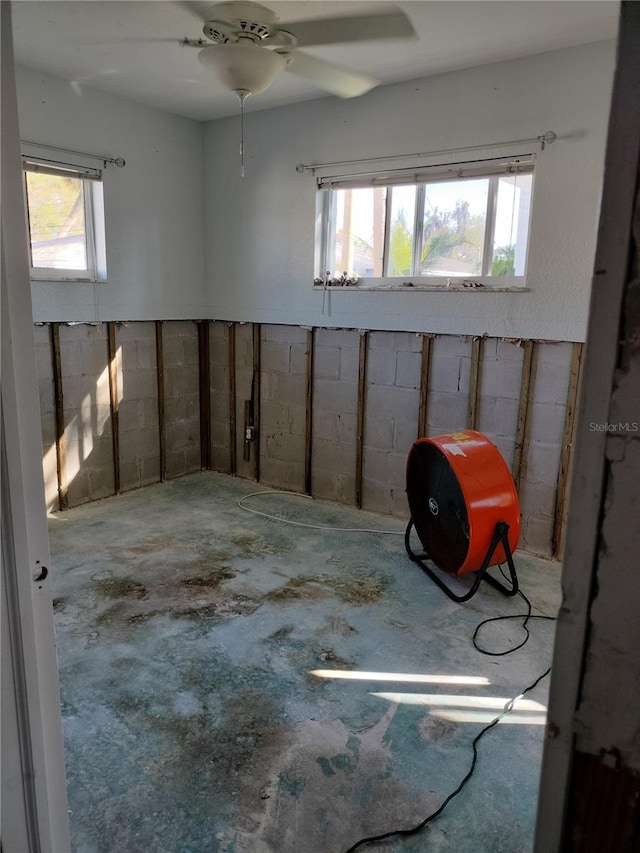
[
  {"x": 233, "y": 451},
  {"x": 308, "y": 429},
  {"x": 256, "y": 401},
  {"x": 474, "y": 382},
  {"x": 205, "y": 393},
  {"x": 362, "y": 387},
  {"x": 162, "y": 444},
  {"x": 526, "y": 390},
  {"x": 425, "y": 373},
  {"x": 567, "y": 443},
  {"x": 114, "y": 402},
  {"x": 61, "y": 456}
]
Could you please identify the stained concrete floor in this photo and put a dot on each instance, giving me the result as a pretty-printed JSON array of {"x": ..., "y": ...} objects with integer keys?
[{"x": 188, "y": 635}]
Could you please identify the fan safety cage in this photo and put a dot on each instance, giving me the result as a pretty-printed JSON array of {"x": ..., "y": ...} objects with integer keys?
[{"x": 459, "y": 487}]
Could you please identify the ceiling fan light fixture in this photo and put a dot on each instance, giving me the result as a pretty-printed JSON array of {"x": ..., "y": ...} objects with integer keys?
[{"x": 243, "y": 67}]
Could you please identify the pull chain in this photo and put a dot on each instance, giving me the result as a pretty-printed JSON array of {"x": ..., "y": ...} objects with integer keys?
[{"x": 242, "y": 94}]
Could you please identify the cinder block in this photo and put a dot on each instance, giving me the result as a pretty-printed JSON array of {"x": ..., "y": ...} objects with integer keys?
[
  {"x": 546, "y": 423},
  {"x": 136, "y": 445},
  {"x": 541, "y": 462},
  {"x": 337, "y": 338},
  {"x": 555, "y": 352},
  {"x": 138, "y": 384},
  {"x": 172, "y": 352},
  {"x": 177, "y": 329},
  {"x": 282, "y": 475},
  {"x": 283, "y": 333},
  {"x": 220, "y": 405},
  {"x": 381, "y": 367},
  {"x": 180, "y": 381},
  {"x": 486, "y": 418},
  {"x": 219, "y": 329},
  {"x": 150, "y": 470},
  {"x": 537, "y": 499},
  {"x": 219, "y": 350},
  {"x": 500, "y": 378},
  {"x": 408, "y": 367},
  {"x": 44, "y": 363},
  {"x": 95, "y": 356},
  {"x": 506, "y": 417},
  {"x": 333, "y": 457},
  {"x": 78, "y": 489},
  {"x": 349, "y": 363},
  {"x": 378, "y": 433},
  {"x": 453, "y": 346},
  {"x": 396, "y": 403},
  {"x": 193, "y": 458},
  {"x": 335, "y": 396},
  {"x": 334, "y": 487},
  {"x": 176, "y": 464},
  {"x": 446, "y": 374},
  {"x": 191, "y": 348},
  {"x": 376, "y": 464},
  {"x": 326, "y": 425},
  {"x": 507, "y": 350},
  {"x": 326, "y": 362},
  {"x": 297, "y": 419},
  {"x": 404, "y": 434},
  {"x": 129, "y": 475},
  {"x": 446, "y": 412},
  {"x": 129, "y": 416},
  {"x": 536, "y": 535},
  {"x": 551, "y": 383},
  {"x": 146, "y": 355},
  {"x": 376, "y": 498},
  {"x": 287, "y": 388},
  {"x": 298, "y": 359}
]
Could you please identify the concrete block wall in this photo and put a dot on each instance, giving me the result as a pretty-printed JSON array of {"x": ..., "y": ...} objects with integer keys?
[
  {"x": 88, "y": 440},
  {"x": 283, "y": 363},
  {"x": 219, "y": 379},
  {"x": 335, "y": 401},
  {"x": 181, "y": 397},
  {"x": 244, "y": 379},
  {"x": 139, "y": 444},
  {"x": 499, "y": 393},
  {"x": 448, "y": 395},
  {"x": 391, "y": 419},
  {"x": 44, "y": 369},
  {"x": 543, "y": 444},
  {"x": 393, "y": 386}
]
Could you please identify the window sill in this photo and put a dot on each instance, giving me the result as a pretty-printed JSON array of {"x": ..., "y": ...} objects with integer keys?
[
  {"x": 404, "y": 288},
  {"x": 61, "y": 279}
]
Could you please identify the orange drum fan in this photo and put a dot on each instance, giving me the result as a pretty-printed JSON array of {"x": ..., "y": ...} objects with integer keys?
[{"x": 464, "y": 507}]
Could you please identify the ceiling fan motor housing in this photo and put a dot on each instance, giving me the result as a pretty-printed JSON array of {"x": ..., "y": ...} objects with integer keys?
[{"x": 459, "y": 487}]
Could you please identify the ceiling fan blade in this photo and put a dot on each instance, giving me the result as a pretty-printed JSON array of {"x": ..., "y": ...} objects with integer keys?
[
  {"x": 331, "y": 78},
  {"x": 381, "y": 25}
]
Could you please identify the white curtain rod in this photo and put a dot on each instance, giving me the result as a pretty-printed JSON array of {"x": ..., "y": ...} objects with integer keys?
[
  {"x": 543, "y": 140},
  {"x": 117, "y": 161}
]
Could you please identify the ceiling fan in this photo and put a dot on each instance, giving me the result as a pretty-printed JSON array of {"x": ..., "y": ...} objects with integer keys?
[{"x": 247, "y": 47}]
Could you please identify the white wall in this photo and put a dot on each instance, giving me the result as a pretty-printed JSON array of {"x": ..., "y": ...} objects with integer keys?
[
  {"x": 259, "y": 231},
  {"x": 153, "y": 206}
]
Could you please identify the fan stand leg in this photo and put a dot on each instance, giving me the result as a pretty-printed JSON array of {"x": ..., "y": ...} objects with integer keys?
[{"x": 499, "y": 538}]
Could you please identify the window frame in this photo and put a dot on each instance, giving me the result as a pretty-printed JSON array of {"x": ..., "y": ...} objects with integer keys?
[
  {"x": 93, "y": 202},
  {"x": 420, "y": 177}
]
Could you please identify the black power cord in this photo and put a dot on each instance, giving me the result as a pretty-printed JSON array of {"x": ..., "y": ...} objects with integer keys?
[{"x": 414, "y": 830}]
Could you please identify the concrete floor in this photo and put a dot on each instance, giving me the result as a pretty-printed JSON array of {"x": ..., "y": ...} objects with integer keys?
[{"x": 188, "y": 632}]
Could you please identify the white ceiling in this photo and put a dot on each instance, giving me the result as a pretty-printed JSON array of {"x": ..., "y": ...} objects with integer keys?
[{"x": 101, "y": 43}]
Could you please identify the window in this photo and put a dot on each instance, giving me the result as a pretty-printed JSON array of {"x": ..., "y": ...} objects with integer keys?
[
  {"x": 66, "y": 221},
  {"x": 467, "y": 224}
]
